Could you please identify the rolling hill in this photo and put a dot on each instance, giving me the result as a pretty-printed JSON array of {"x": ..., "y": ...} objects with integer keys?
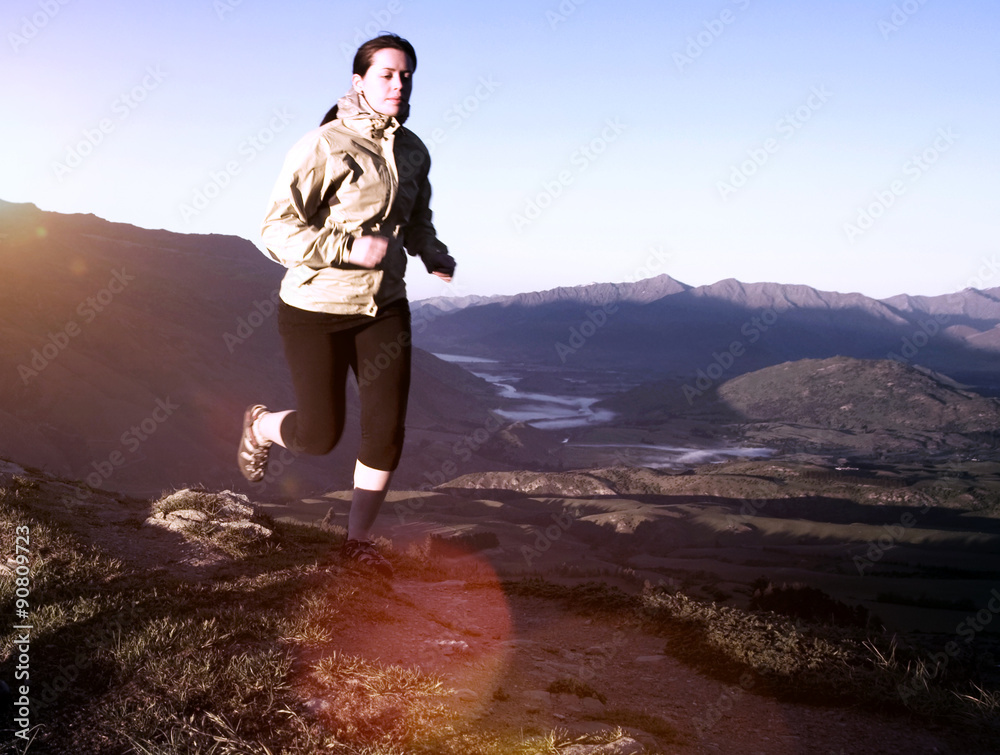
[
  {"x": 127, "y": 357},
  {"x": 880, "y": 408}
]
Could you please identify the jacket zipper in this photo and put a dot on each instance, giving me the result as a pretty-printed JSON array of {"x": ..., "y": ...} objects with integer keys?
[{"x": 390, "y": 161}]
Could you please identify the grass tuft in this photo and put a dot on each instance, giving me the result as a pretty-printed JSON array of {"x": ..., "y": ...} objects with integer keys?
[{"x": 376, "y": 704}]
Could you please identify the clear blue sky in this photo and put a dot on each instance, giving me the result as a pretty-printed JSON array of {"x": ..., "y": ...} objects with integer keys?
[{"x": 849, "y": 146}]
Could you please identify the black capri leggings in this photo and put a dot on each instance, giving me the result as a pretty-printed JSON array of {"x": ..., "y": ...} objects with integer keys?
[{"x": 319, "y": 348}]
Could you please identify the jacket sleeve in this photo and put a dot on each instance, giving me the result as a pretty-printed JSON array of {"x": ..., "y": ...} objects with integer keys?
[
  {"x": 419, "y": 235},
  {"x": 296, "y": 229}
]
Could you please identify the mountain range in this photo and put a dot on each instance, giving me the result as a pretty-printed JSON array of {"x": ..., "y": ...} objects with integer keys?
[
  {"x": 128, "y": 355},
  {"x": 660, "y": 327}
]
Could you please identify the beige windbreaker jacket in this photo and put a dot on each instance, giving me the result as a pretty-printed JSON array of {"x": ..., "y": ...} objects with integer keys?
[{"x": 361, "y": 174}]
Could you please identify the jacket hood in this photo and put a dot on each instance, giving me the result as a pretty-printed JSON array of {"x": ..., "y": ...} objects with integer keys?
[{"x": 354, "y": 106}]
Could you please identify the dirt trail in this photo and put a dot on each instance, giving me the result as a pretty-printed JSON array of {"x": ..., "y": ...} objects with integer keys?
[{"x": 500, "y": 654}]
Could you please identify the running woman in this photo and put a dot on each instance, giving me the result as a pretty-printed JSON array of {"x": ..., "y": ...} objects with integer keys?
[{"x": 352, "y": 200}]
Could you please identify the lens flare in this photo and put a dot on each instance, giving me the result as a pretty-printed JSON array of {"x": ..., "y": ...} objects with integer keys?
[{"x": 430, "y": 647}]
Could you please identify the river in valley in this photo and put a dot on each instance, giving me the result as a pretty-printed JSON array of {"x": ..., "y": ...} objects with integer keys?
[{"x": 565, "y": 412}]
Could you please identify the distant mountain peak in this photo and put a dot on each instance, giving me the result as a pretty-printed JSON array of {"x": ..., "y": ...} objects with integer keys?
[
  {"x": 592, "y": 294},
  {"x": 597, "y": 294},
  {"x": 783, "y": 296}
]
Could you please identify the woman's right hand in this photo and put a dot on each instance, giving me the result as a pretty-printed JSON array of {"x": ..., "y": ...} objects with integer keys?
[{"x": 368, "y": 251}]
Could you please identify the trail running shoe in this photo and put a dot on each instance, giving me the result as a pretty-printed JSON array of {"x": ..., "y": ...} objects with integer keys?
[
  {"x": 252, "y": 456},
  {"x": 364, "y": 553}
]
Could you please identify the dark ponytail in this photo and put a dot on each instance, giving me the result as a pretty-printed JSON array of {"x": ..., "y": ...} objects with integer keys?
[{"x": 331, "y": 114}]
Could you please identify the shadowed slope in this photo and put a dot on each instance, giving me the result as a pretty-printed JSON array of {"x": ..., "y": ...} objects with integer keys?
[{"x": 127, "y": 357}]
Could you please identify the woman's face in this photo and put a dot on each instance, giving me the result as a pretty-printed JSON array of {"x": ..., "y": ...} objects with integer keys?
[{"x": 387, "y": 83}]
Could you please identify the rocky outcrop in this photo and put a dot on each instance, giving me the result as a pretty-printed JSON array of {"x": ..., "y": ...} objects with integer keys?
[{"x": 226, "y": 518}]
